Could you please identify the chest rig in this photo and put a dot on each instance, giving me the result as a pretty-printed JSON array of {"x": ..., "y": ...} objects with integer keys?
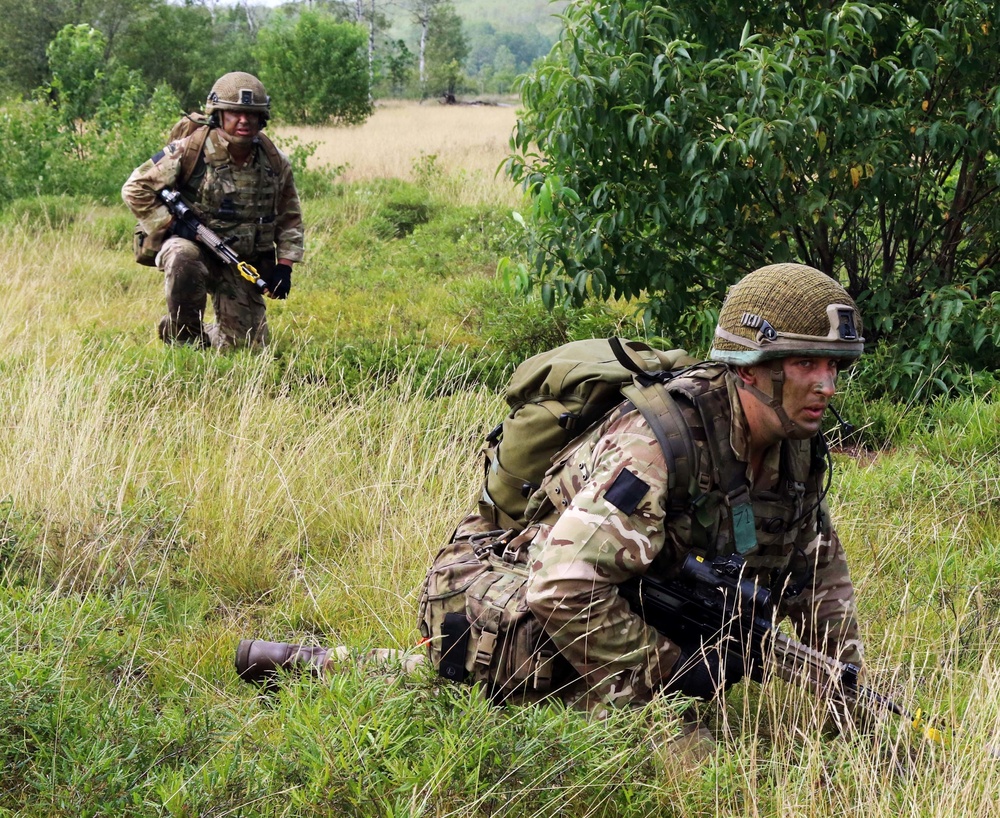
[
  {"x": 722, "y": 513},
  {"x": 238, "y": 203}
]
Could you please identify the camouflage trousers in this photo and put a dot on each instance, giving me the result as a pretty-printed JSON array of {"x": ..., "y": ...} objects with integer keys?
[
  {"x": 392, "y": 659},
  {"x": 190, "y": 276}
]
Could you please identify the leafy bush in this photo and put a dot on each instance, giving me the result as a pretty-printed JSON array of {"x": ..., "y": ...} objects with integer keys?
[
  {"x": 671, "y": 148},
  {"x": 310, "y": 182},
  {"x": 514, "y": 328},
  {"x": 91, "y": 159}
]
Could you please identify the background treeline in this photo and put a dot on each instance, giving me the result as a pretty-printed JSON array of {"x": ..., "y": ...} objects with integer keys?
[
  {"x": 414, "y": 48},
  {"x": 666, "y": 149}
]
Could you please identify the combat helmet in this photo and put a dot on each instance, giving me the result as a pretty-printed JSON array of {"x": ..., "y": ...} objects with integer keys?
[
  {"x": 239, "y": 91},
  {"x": 787, "y": 309}
]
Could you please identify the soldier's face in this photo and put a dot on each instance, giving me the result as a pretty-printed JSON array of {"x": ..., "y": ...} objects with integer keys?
[
  {"x": 243, "y": 126},
  {"x": 809, "y": 385}
]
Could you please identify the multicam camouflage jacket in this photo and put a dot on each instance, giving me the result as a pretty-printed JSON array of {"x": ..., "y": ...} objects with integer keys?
[
  {"x": 611, "y": 517},
  {"x": 255, "y": 204}
]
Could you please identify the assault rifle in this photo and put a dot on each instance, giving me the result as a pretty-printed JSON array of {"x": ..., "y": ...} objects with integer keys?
[
  {"x": 711, "y": 602},
  {"x": 212, "y": 240}
]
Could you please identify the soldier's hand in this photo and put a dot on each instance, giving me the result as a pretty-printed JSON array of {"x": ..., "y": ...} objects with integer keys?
[
  {"x": 183, "y": 230},
  {"x": 280, "y": 281},
  {"x": 701, "y": 673}
]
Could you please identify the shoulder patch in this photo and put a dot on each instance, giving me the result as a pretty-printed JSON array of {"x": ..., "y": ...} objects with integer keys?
[
  {"x": 157, "y": 157},
  {"x": 627, "y": 492}
]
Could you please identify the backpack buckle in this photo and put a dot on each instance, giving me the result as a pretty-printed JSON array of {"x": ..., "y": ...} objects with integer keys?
[{"x": 569, "y": 421}]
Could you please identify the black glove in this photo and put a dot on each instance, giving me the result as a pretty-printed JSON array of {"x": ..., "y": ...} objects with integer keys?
[
  {"x": 183, "y": 230},
  {"x": 698, "y": 673},
  {"x": 280, "y": 281}
]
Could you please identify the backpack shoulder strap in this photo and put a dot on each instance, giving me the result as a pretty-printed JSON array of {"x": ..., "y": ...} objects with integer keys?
[
  {"x": 192, "y": 152},
  {"x": 660, "y": 410},
  {"x": 273, "y": 154},
  {"x": 659, "y": 407}
]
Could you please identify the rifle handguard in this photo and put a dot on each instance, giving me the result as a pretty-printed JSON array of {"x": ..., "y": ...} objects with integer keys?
[{"x": 711, "y": 602}]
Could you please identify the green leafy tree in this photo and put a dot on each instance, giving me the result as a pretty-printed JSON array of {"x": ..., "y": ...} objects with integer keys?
[
  {"x": 447, "y": 49},
  {"x": 78, "y": 70},
  {"x": 187, "y": 47},
  {"x": 668, "y": 149},
  {"x": 395, "y": 65},
  {"x": 28, "y": 28},
  {"x": 315, "y": 69},
  {"x": 85, "y": 85}
]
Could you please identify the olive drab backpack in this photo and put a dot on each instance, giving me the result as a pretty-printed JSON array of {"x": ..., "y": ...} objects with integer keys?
[
  {"x": 200, "y": 125},
  {"x": 554, "y": 397}
]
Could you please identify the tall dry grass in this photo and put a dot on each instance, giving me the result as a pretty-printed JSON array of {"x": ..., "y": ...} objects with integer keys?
[
  {"x": 334, "y": 502},
  {"x": 467, "y": 140}
]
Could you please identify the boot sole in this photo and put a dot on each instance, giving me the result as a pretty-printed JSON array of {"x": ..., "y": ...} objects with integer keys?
[{"x": 243, "y": 667}]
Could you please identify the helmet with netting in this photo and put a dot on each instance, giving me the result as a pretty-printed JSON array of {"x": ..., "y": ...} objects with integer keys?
[
  {"x": 238, "y": 91},
  {"x": 784, "y": 310}
]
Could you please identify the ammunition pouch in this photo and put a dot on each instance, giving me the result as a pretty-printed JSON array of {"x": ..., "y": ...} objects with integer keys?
[
  {"x": 146, "y": 246},
  {"x": 142, "y": 248},
  {"x": 473, "y": 600}
]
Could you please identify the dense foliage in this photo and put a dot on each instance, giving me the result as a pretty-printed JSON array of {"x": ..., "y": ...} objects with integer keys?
[
  {"x": 315, "y": 70},
  {"x": 50, "y": 151},
  {"x": 96, "y": 121},
  {"x": 670, "y": 148}
]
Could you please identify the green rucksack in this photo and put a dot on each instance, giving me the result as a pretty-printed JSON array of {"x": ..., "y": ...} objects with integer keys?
[{"x": 554, "y": 397}]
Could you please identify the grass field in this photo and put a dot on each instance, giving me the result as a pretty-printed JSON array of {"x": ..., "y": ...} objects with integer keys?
[
  {"x": 160, "y": 504},
  {"x": 402, "y": 139}
]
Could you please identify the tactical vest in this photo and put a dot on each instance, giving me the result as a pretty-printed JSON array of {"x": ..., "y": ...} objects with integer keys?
[
  {"x": 709, "y": 496},
  {"x": 237, "y": 202}
]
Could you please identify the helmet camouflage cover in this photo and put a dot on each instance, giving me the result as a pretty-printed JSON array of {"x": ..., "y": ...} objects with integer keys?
[
  {"x": 783, "y": 310},
  {"x": 238, "y": 91}
]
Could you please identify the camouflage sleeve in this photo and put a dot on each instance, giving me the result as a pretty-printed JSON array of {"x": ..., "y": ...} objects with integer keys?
[
  {"x": 289, "y": 238},
  {"x": 139, "y": 191},
  {"x": 612, "y": 529},
  {"x": 825, "y": 614}
]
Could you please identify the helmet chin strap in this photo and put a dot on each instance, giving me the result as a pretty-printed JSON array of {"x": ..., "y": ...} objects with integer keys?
[
  {"x": 230, "y": 139},
  {"x": 773, "y": 401}
]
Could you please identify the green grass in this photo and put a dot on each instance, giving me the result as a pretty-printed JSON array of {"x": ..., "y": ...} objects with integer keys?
[{"x": 159, "y": 504}]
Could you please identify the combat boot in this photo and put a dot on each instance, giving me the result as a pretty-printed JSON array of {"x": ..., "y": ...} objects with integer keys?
[
  {"x": 171, "y": 332},
  {"x": 259, "y": 662}
]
